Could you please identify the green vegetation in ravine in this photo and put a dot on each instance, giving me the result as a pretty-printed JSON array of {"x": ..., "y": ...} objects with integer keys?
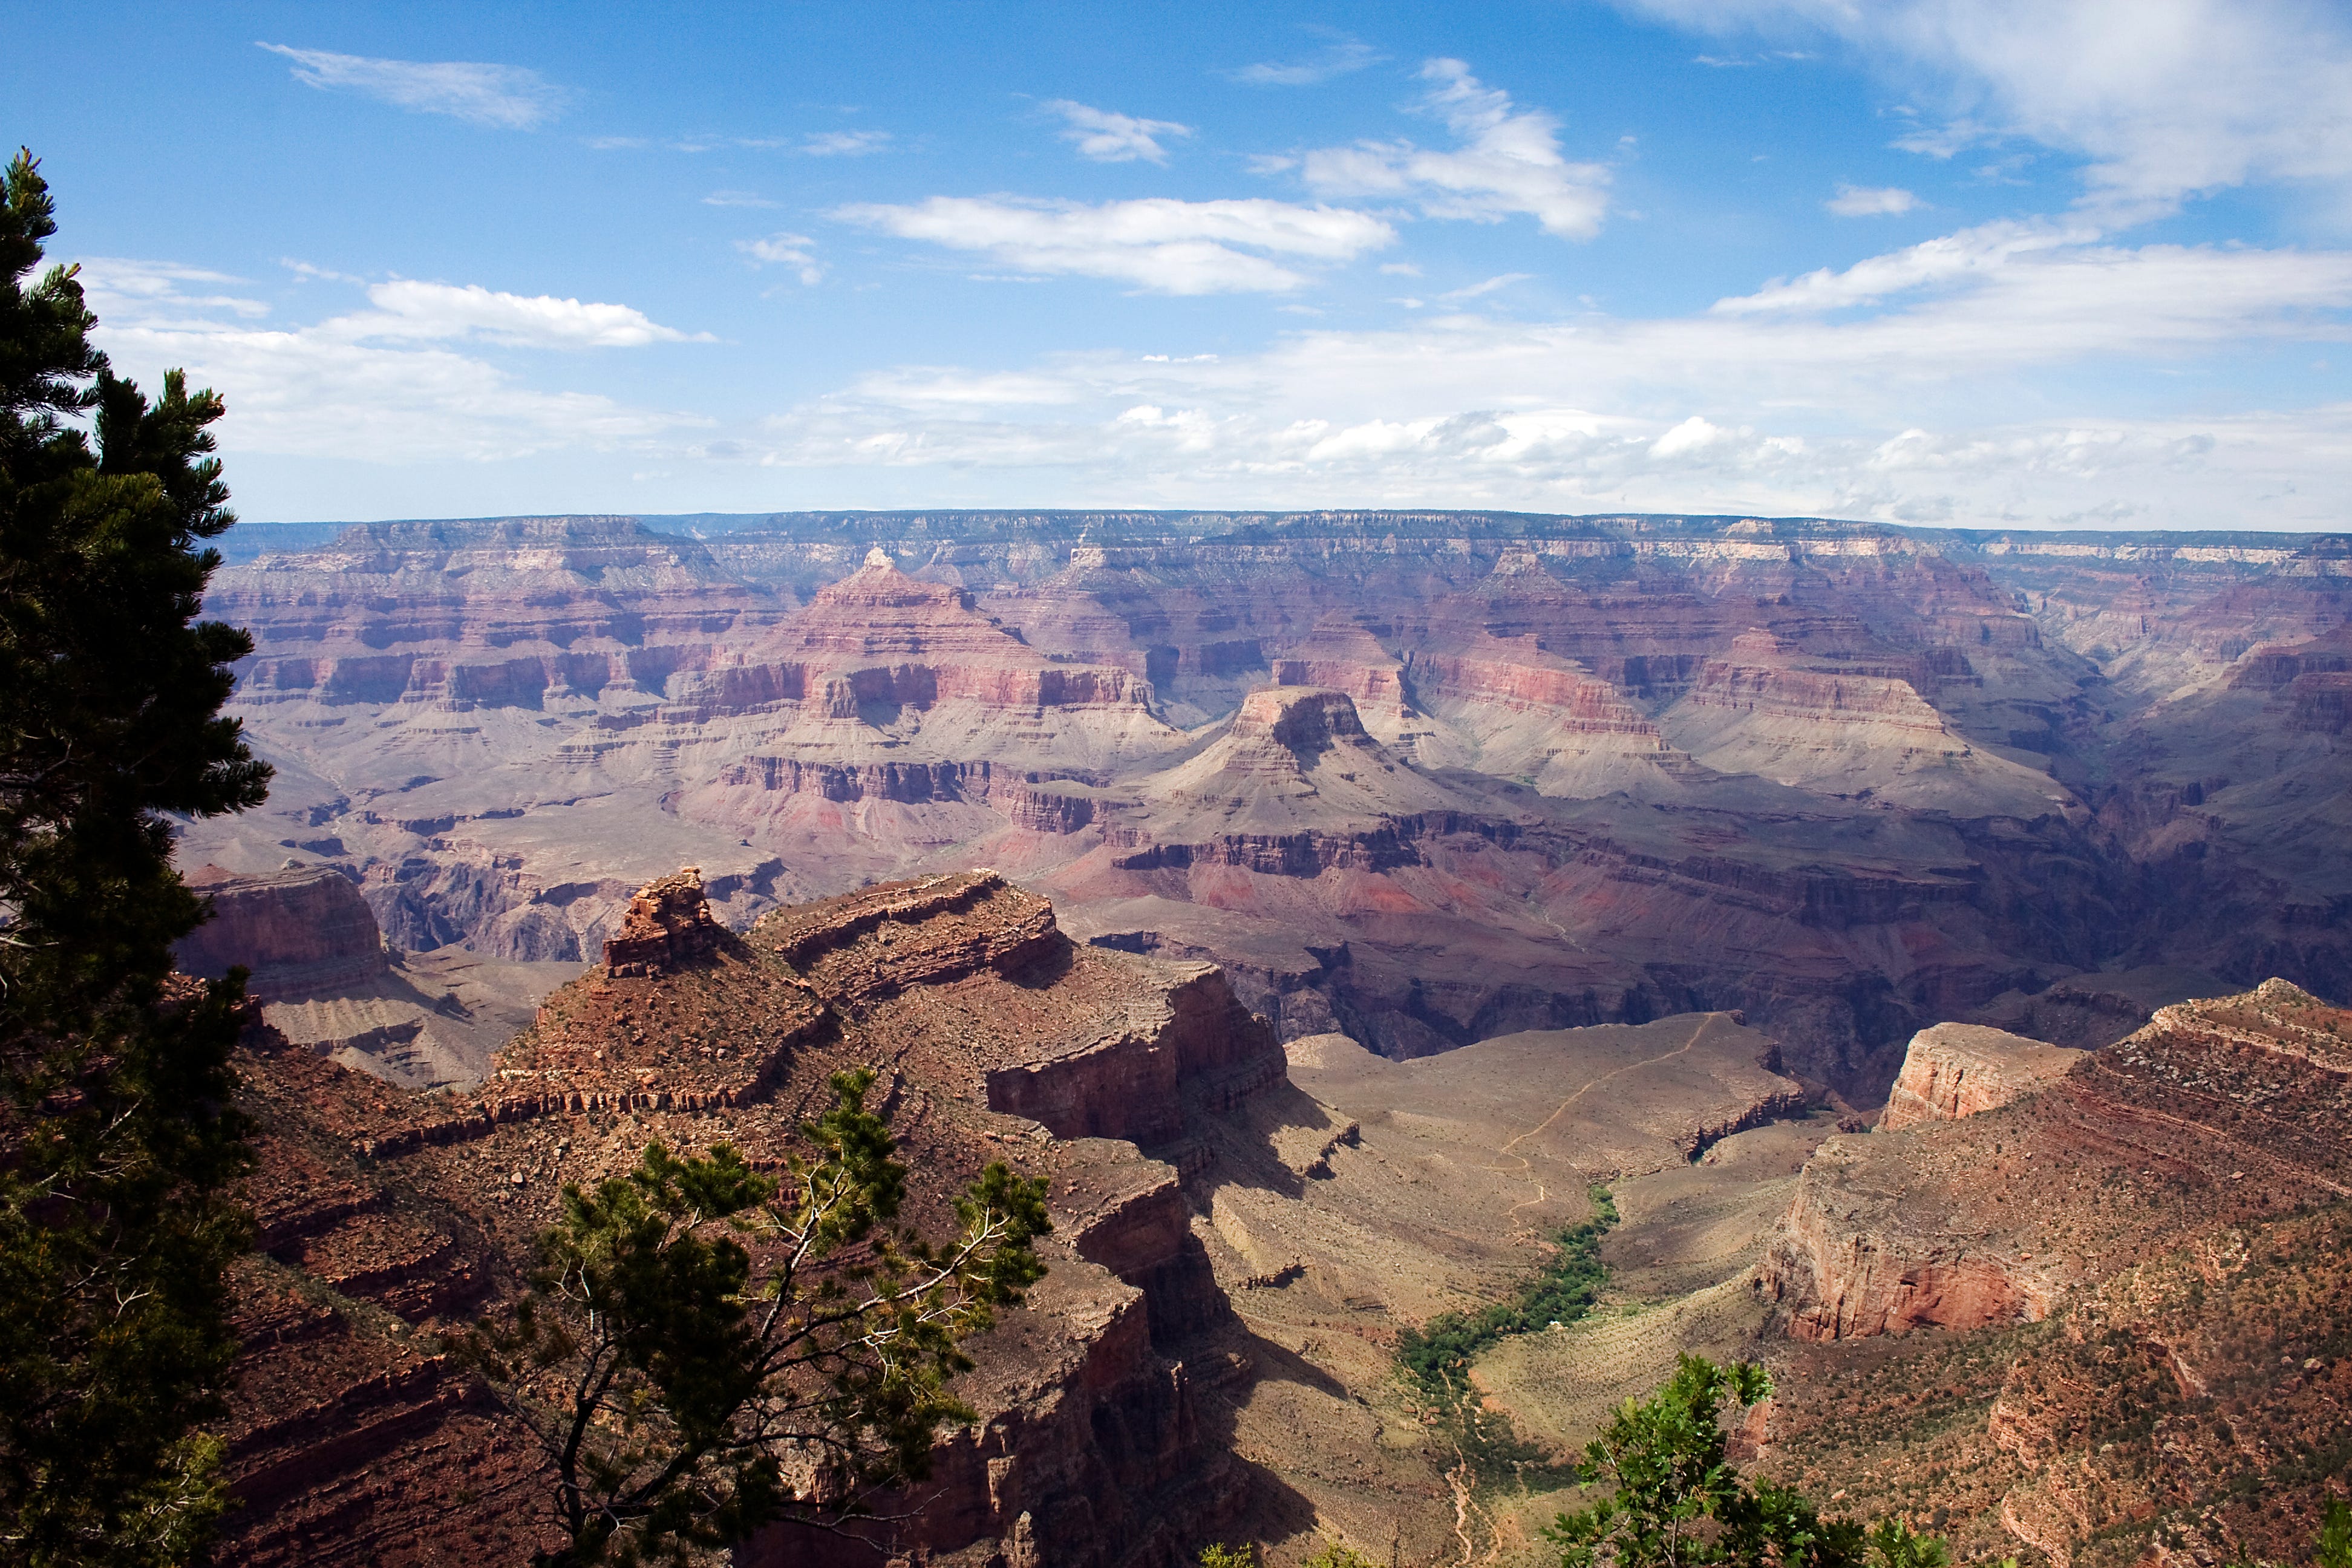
[{"x": 1437, "y": 1358}]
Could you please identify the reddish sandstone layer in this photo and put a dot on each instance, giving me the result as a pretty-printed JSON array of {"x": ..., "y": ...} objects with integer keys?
[
  {"x": 1952, "y": 1070},
  {"x": 881, "y": 639},
  {"x": 2231, "y": 1110},
  {"x": 297, "y": 930},
  {"x": 387, "y": 1217},
  {"x": 666, "y": 927}
]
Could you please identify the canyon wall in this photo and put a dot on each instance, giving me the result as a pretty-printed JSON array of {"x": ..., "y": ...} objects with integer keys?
[
  {"x": 2223, "y": 1111},
  {"x": 1851, "y": 780},
  {"x": 2143, "y": 1260},
  {"x": 1960, "y": 1069}
]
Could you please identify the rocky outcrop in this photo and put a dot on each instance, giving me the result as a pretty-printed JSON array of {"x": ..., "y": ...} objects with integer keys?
[
  {"x": 1951, "y": 1070},
  {"x": 2218, "y": 1112},
  {"x": 1856, "y": 740},
  {"x": 298, "y": 930},
  {"x": 667, "y": 927},
  {"x": 405, "y": 1215}
]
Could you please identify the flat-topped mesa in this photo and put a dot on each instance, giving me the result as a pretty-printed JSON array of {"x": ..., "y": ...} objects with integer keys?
[
  {"x": 667, "y": 926},
  {"x": 1952, "y": 1070},
  {"x": 928, "y": 931}
]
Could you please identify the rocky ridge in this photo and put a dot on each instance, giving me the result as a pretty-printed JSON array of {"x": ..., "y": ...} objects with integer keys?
[
  {"x": 386, "y": 1219},
  {"x": 2144, "y": 1261},
  {"x": 1627, "y": 754}
]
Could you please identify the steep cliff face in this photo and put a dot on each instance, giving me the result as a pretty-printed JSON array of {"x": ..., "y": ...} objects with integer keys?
[
  {"x": 386, "y": 1217},
  {"x": 2148, "y": 1259},
  {"x": 1953, "y": 1070},
  {"x": 298, "y": 930},
  {"x": 2231, "y": 1110}
]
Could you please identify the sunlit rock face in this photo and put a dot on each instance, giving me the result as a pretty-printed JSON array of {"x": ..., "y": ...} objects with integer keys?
[
  {"x": 389, "y": 1220},
  {"x": 1850, "y": 780},
  {"x": 1960, "y": 1069}
]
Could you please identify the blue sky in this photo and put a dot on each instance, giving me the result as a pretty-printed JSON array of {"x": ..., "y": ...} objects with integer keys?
[{"x": 1979, "y": 262}]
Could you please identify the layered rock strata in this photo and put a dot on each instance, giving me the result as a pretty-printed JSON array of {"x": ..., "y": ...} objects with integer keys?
[
  {"x": 387, "y": 1218},
  {"x": 1953, "y": 1070},
  {"x": 2231, "y": 1110},
  {"x": 2148, "y": 1260},
  {"x": 667, "y": 926},
  {"x": 1835, "y": 776},
  {"x": 297, "y": 930}
]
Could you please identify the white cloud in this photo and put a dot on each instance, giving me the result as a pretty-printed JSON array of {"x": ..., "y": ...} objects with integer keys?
[
  {"x": 1971, "y": 253},
  {"x": 737, "y": 199},
  {"x": 1508, "y": 162},
  {"x": 1400, "y": 269},
  {"x": 1865, "y": 201},
  {"x": 793, "y": 250},
  {"x": 407, "y": 308},
  {"x": 1108, "y": 137},
  {"x": 2166, "y": 98},
  {"x": 163, "y": 291},
  {"x": 333, "y": 390},
  {"x": 845, "y": 143},
  {"x": 1897, "y": 414},
  {"x": 1341, "y": 57},
  {"x": 1500, "y": 281},
  {"x": 507, "y": 95},
  {"x": 1159, "y": 244},
  {"x": 1693, "y": 435}
]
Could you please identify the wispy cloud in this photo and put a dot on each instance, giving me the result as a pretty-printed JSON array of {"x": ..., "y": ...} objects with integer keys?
[
  {"x": 1865, "y": 201},
  {"x": 1802, "y": 408},
  {"x": 1341, "y": 56},
  {"x": 1500, "y": 281},
  {"x": 384, "y": 385},
  {"x": 407, "y": 308},
  {"x": 1970, "y": 254},
  {"x": 509, "y": 97},
  {"x": 1108, "y": 137},
  {"x": 845, "y": 143},
  {"x": 1159, "y": 244},
  {"x": 1508, "y": 162},
  {"x": 796, "y": 252},
  {"x": 2165, "y": 100},
  {"x": 737, "y": 199}
]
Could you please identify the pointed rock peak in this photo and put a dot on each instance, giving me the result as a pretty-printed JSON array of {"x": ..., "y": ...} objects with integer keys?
[
  {"x": 668, "y": 924},
  {"x": 880, "y": 585}
]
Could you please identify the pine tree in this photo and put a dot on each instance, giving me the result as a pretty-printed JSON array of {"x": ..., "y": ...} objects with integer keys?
[
  {"x": 707, "y": 1350},
  {"x": 118, "y": 1144}
]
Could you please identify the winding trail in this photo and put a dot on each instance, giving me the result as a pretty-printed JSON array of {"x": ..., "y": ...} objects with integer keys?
[{"x": 1527, "y": 1166}]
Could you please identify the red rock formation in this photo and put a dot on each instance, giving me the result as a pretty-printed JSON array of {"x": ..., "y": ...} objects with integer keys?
[
  {"x": 2173, "y": 1206},
  {"x": 298, "y": 931},
  {"x": 1952, "y": 1070},
  {"x": 503, "y": 729},
  {"x": 386, "y": 1217},
  {"x": 2228, "y": 1110},
  {"x": 667, "y": 926}
]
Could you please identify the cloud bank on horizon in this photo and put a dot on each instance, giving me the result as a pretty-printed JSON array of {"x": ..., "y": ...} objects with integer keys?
[{"x": 1982, "y": 262}]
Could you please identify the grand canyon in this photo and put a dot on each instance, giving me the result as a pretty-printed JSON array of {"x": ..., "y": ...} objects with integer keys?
[{"x": 1928, "y": 938}]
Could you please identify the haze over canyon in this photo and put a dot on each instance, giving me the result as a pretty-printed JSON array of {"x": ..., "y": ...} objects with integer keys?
[{"x": 1426, "y": 778}]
